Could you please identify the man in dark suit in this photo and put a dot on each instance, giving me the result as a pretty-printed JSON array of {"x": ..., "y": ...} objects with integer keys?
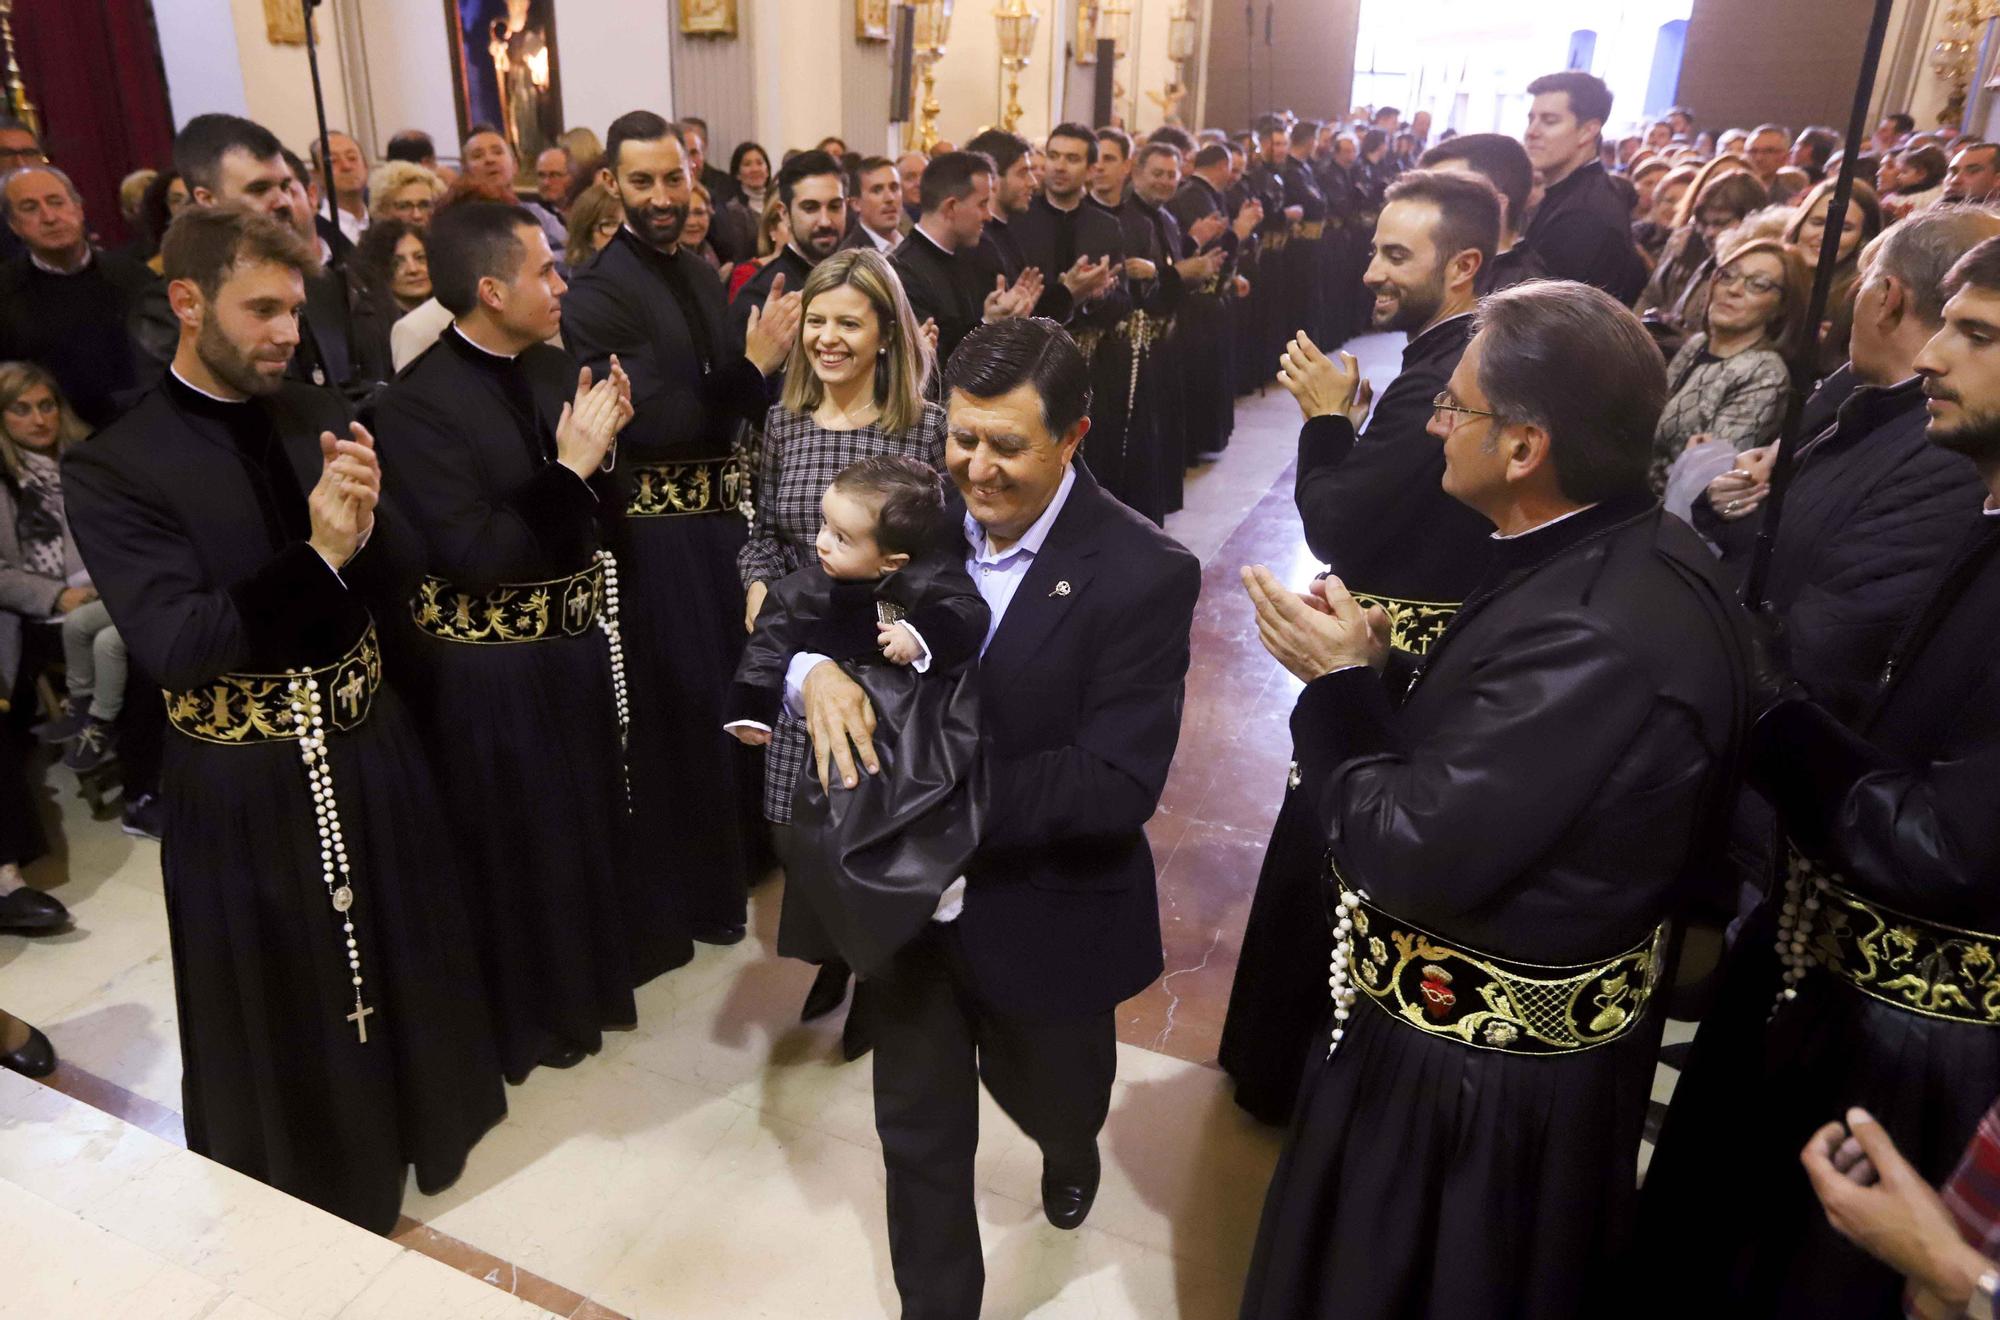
[
  {"x": 1056, "y": 920},
  {"x": 947, "y": 275}
]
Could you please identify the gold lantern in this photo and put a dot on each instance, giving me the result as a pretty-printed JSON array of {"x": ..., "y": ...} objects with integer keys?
[
  {"x": 1183, "y": 31},
  {"x": 1017, "y": 24},
  {"x": 933, "y": 30},
  {"x": 14, "y": 89}
]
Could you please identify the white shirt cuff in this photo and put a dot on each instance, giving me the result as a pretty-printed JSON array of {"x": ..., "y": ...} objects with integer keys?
[
  {"x": 795, "y": 682},
  {"x": 746, "y": 724},
  {"x": 951, "y": 902},
  {"x": 922, "y": 664}
]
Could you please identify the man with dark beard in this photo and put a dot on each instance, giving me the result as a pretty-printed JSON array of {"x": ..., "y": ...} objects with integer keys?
[
  {"x": 332, "y": 1026},
  {"x": 1375, "y": 510},
  {"x": 684, "y": 492},
  {"x": 1870, "y": 978},
  {"x": 814, "y": 191},
  {"x": 1511, "y": 829}
]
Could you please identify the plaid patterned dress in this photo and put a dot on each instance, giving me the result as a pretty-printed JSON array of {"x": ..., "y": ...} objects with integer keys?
[{"x": 800, "y": 460}]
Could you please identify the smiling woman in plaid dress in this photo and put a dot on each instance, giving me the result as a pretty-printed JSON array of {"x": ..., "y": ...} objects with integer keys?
[{"x": 854, "y": 388}]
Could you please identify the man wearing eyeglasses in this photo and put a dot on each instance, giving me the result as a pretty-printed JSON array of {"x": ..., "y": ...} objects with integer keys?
[
  {"x": 1511, "y": 827},
  {"x": 19, "y": 147},
  {"x": 1374, "y": 511}
]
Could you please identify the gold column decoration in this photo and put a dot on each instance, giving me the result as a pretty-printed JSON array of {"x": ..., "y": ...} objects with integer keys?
[
  {"x": 1952, "y": 57},
  {"x": 14, "y": 94},
  {"x": 1017, "y": 24},
  {"x": 1114, "y": 24},
  {"x": 933, "y": 30},
  {"x": 1183, "y": 31}
]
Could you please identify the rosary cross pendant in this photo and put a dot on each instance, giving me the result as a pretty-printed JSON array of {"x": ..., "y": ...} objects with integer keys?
[{"x": 359, "y": 1017}]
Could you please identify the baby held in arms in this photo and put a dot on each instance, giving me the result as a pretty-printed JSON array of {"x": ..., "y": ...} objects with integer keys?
[{"x": 890, "y": 603}]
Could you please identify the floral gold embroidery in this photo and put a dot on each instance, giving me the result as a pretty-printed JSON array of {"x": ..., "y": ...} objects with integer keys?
[
  {"x": 517, "y": 612},
  {"x": 706, "y": 485},
  {"x": 1414, "y": 625},
  {"x": 236, "y": 709}
]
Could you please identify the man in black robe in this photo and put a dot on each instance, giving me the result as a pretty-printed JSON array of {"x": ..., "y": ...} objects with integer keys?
[
  {"x": 1209, "y": 327},
  {"x": 950, "y": 278},
  {"x": 65, "y": 303},
  {"x": 1374, "y": 510},
  {"x": 1502, "y": 162},
  {"x": 1583, "y": 228},
  {"x": 332, "y": 1025},
  {"x": 814, "y": 191},
  {"x": 1014, "y": 188},
  {"x": 1510, "y": 828},
  {"x": 1060, "y": 225},
  {"x": 1304, "y": 259},
  {"x": 1872, "y": 976},
  {"x": 1339, "y": 269},
  {"x": 684, "y": 491},
  {"x": 516, "y": 629},
  {"x": 1271, "y": 303}
]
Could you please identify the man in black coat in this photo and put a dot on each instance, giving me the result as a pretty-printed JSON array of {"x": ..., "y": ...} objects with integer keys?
[
  {"x": 1211, "y": 323},
  {"x": 1376, "y": 512},
  {"x": 1583, "y": 228},
  {"x": 1502, "y": 162},
  {"x": 814, "y": 191},
  {"x": 683, "y": 491},
  {"x": 1878, "y": 949},
  {"x": 1056, "y": 921},
  {"x": 1511, "y": 829},
  {"x": 1014, "y": 190},
  {"x": 65, "y": 303},
  {"x": 949, "y": 279}
]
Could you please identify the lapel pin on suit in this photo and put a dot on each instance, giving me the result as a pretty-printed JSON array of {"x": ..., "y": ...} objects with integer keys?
[{"x": 1062, "y": 589}]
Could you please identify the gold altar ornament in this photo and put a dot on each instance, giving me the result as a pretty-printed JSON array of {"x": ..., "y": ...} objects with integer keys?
[
  {"x": 1017, "y": 24},
  {"x": 708, "y": 18},
  {"x": 933, "y": 30}
]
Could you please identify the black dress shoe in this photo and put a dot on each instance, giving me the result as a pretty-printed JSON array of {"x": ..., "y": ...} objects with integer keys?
[
  {"x": 718, "y": 932},
  {"x": 1069, "y": 1187},
  {"x": 37, "y": 1058},
  {"x": 30, "y": 910},
  {"x": 828, "y": 989},
  {"x": 564, "y": 1055}
]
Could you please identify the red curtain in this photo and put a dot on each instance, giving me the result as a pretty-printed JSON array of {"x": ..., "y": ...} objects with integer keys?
[{"x": 93, "y": 71}]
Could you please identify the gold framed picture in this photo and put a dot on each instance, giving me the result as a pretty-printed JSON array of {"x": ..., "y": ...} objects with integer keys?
[
  {"x": 285, "y": 23},
  {"x": 1085, "y": 46},
  {"x": 708, "y": 18},
  {"x": 871, "y": 20}
]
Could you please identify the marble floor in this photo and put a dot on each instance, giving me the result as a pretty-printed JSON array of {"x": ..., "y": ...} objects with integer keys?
[{"x": 718, "y": 1160}]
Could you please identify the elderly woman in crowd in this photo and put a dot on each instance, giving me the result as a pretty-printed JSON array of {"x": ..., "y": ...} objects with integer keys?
[
  {"x": 43, "y": 581},
  {"x": 1677, "y": 295},
  {"x": 1805, "y": 234},
  {"x": 854, "y": 388},
  {"x": 400, "y": 190},
  {"x": 1728, "y": 385},
  {"x": 695, "y": 232},
  {"x": 392, "y": 270},
  {"x": 594, "y": 218},
  {"x": 1661, "y": 199}
]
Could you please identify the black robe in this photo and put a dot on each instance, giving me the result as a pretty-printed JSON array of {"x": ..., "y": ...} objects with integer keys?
[
  {"x": 867, "y": 866},
  {"x": 1903, "y": 811},
  {"x": 525, "y": 734},
  {"x": 191, "y": 514},
  {"x": 1305, "y": 259},
  {"x": 1375, "y": 511},
  {"x": 1583, "y": 231},
  {"x": 1206, "y": 329},
  {"x": 949, "y": 288},
  {"x": 1270, "y": 301},
  {"x": 1537, "y": 795},
  {"x": 695, "y": 789},
  {"x": 1153, "y": 232},
  {"x": 789, "y": 263}
]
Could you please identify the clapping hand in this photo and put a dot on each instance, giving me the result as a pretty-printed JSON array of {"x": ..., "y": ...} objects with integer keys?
[
  {"x": 1314, "y": 634},
  {"x": 767, "y": 340},
  {"x": 1087, "y": 278},
  {"x": 590, "y": 422},
  {"x": 929, "y": 331},
  {"x": 1323, "y": 386},
  {"x": 1207, "y": 228},
  {"x": 1138, "y": 268},
  {"x": 1248, "y": 219},
  {"x": 342, "y": 502}
]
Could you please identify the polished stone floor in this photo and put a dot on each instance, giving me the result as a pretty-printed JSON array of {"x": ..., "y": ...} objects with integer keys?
[{"x": 718, "y": 1160}]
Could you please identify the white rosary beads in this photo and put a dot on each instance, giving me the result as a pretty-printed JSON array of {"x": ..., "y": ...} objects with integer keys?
[
  {"x": 307, "y": 715},
  {"x": 607, "y": 619},
  {"x": 1796, "y": 915},
  {"x": 1340, "y": 978}
]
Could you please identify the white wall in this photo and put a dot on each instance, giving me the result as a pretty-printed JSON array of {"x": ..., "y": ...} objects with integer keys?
[
  {"x": 277, "y": 84},
  {"x": 198, "y": 49},
  {"x": 798, "y": 67},
  {"x": 408, "y": 56},
  {"x": 968, "y": 77},
  {"x": 615, "y": 55}
]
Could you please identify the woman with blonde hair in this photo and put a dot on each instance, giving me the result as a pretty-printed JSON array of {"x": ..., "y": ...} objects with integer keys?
[
  {"x": 43, "y": 581},
  {"x": 403, "y": 190},
  {"x": 1807, "y": 231},
  {"x": 774, "y": 230},
  {"x": 854, "y": 388}
]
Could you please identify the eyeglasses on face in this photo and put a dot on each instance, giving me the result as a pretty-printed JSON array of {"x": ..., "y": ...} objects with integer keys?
[
  {"x": 1757, "y": 284},
  {"x": 1443, "y": 404}
]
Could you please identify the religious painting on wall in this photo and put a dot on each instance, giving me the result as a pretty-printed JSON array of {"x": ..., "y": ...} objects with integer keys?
[
  {"x": 503, "y": 70},
  {"x": 1085, "y": 45},
  {"x": 708, "y": 18},
  {"x": 871, "y": 20}
]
